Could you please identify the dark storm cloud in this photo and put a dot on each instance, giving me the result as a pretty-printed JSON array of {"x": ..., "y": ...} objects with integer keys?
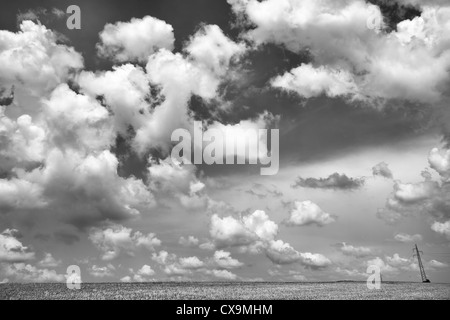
[
  {"x": 65, "y": 237},
  {"x": 6, "y": 96},
  {"x": 335, "y": 181}
]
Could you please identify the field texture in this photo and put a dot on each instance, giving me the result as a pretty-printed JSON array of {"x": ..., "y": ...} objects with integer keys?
[{"x": 238, "y": 291}]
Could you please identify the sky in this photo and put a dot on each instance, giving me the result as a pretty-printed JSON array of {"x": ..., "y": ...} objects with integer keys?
[{"x": 359, "y": 91}]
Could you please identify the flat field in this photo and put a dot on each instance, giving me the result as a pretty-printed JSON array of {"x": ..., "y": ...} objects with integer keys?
[{"x": 226, "y": 291}]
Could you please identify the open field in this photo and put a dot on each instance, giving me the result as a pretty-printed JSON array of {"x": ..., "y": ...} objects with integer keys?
[{"x": 238, "y": 291}]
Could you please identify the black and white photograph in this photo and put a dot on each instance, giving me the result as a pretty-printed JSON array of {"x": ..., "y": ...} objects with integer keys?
[{"x": 226, "y": 150}]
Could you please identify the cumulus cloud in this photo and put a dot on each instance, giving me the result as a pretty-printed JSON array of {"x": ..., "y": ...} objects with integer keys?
[
  {"x": 11, "y": 249},
  {"x": 191, "y": 263},
  {"x": 426, "y": 197},
  {"x": 211, "y": 48},
  {"x": 337, "y": 37},
  {"x": 49, "y": 261},
  {"x": 314, "y": 260},
  {"x": 135, "y": 40},
  {"x": 48, "y": 63},
  {"x": 382, "y": 170},
  {"x": 116, "y": 239},
  {"x": 335, "y": 181},
  {"x": 407, "y": 198},
  {"x": 101, "y": 272},
  {"x": 224, "y": 260},
  {"x": 308, "y": 213},
  {"x": 281, "y": 253},
  {"x": 256, "y": 233},
  {"x": 308, "y": 81},
  {"x": 171, "y": 265},
  {"x": 125, "y": 279},
  {"x": 394, "y": 264},
  {"x": 190, "y": 241},
  {"x": 229, "y": 232},
  {"x": 21, "y": 272},
  {"x": 175, "y": 180},
  {"x": 223, "y": 274},
  {"x": 440, "y": 162},
  {"x": 142, "y": 275},
  {"x": 350, "y": 250},
  {"x": 406, "y": 238},
  {"x": 380, "y": 263},
  {"x": 442, "y": 228}
]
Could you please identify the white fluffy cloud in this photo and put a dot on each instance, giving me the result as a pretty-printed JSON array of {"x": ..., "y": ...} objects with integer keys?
[
  {"x": 314, "y": 260},
  {"x": 308, "y": 213},
  {"x": 309, "y": 81},
  {"x": 191, "y": 263},
  {"x": 11, "y": 249},
  {"x": 142, "y": 275},
  {"x": 21, "y": 272},
  {"x": 406, "y": 238},
  {"x": 281, "y": 253},
  {"x": 350, "y": 250},
  {"x": 256, "y": 233},
  {"x": 440, "y": 162},
  {"x": 442, "y": 228},
  {"x": 135, "y": 40},
  {"x": 130, "y": 109},
  {"x": 189, "y": 241},
  {"x": 49, "y": 261},
  {"x": 47, "y": 63},
  {"x": 223, "y": 274},
  {"x": 211, "y": 48},
  {"x": 256, "y": 227},
  {"x": 380, "y": 263},
  {"x": 350, "y": 57},
  {"x": 426, "y": 197},
  {"x": 224, "y": 260},
  {"x": 22, "y": 141},
  {"x": 173, "y": 266},
  {"x": 101, "y": 272},
  {"x": 116, "y": 239}
]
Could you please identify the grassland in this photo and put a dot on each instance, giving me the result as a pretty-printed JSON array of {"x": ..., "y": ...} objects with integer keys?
[{"x": 225, "y": 291}]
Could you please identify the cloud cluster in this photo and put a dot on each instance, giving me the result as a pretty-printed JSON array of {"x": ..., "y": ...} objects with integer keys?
[
  {"x": 256, "y": 233},
  {"x": 350, "y": 250},
  {"x": 308, "y": 213},
  {"x": 102, "y": 272},
  {"x": 59, "y": 124},
  {"x": 427, "y": 197},
  {"x": 173, "y": 266},
  {"x": 135, "y": 40},
  {"x": 11, "y": 249},
  {"x": 22, "y": 272},
  {"x": 117, "y": 239},
  {"x": 350, "y": 58},
  {"x": 224, "y": 260}
]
